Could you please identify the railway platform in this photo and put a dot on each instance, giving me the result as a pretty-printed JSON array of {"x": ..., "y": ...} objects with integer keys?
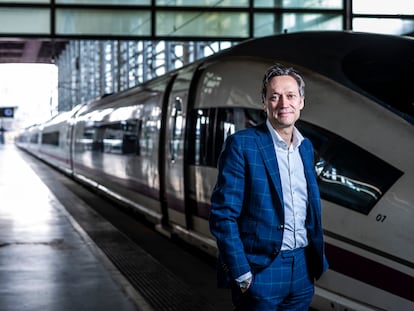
[
  {"x": 47, "y": 261},
  {"x": 50, "y": 260}
]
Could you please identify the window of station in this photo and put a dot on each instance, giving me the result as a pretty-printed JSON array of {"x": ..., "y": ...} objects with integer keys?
[
  {"x": 202, "y": 23},
  {"x": 299, "y": 4},
  {"x": 267, "y": 24},
  {"x": 203, "y": 3},
  {"x": 347, "y": 174}
]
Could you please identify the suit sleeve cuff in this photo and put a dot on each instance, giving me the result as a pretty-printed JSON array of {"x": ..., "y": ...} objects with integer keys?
[{"x": 244, "y": 277}]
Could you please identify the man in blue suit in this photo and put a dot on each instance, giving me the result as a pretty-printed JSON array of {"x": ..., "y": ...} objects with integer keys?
[{"x": 265, "y": 207}]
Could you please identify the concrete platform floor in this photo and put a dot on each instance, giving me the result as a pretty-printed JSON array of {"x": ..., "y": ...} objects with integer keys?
[{"x": 47, "y": 262}]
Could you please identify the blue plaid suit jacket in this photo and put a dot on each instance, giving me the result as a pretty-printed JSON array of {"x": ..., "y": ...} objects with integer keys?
[{"x": 247, "y": 214}]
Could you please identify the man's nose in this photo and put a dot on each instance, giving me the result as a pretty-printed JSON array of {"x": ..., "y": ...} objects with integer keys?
[{"x": 282, "y": 100}]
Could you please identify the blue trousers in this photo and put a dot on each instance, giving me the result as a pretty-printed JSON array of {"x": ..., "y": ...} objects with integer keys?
[{"x": 283, "y": 285}]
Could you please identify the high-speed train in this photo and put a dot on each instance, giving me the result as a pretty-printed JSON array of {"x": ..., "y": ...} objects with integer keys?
[{"x": 154, "y": 148}]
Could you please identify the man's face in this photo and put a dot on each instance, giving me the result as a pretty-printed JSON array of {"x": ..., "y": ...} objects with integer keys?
[{"x": 283, "y": 102}]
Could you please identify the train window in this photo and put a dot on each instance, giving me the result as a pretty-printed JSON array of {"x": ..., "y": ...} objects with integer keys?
[
  {"x": 214, "y": 125},
  {"x": 51, "y": 138},
  {"x": 177, "y": 125},
  {"x": 231, "y": 120},
  {"x": 148, "y": 134},
  {"x": 347, "y": 174},
  {"x": 89, "y": 140},
  {"x": 115, "y": 137},
  {"x": 234, "y": 83},
  {"x": 34, "y": 138},
  {"x": 120, "y": 137},
  {"x": 204, "y": 127}
]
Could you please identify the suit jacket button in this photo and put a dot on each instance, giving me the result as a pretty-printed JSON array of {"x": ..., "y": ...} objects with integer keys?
[
  {"x": 274, "y": 253},
  {"x": 280, "y": 227}
]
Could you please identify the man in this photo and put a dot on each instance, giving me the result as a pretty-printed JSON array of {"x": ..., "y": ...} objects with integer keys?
[{"x": 265, "y": 207}]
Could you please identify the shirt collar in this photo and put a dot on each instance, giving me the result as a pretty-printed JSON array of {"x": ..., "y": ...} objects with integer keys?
[{"x": 278, "y": 141}]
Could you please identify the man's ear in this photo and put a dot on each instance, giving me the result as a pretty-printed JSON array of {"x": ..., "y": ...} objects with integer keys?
[{"x": 302, "y": 103}]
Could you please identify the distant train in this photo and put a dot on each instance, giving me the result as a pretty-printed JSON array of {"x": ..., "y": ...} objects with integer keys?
[{"x": 154, "y": 148}]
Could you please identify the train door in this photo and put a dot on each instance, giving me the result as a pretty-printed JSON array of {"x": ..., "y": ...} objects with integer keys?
[
  {"x": 174, "y": 193},
  {"x": 226, "y": 99}
]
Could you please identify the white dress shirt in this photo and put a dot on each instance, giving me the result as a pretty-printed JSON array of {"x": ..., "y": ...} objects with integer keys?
[{"x": 294, "y": 189}]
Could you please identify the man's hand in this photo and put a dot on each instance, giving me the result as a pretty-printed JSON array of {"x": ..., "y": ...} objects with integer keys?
[{"x": 244, "y": 286}]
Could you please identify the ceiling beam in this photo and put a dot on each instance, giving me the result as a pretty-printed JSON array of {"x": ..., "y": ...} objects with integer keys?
[{"x": 31, "y": 51}]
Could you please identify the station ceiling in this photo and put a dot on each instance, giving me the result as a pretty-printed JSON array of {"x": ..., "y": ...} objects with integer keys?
[
  {"x": 30, "y": 50},
  {"x": 37, "y": 32}
]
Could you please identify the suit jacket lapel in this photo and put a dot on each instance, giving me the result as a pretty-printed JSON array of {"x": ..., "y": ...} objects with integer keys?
[
  {"x": 306, "y": 153},
  {"x": 307, "y": 159},
  {"x": 267, "y": 151}
]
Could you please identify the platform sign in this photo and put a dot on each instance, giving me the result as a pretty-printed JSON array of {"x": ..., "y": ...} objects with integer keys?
[{"x": 6, "y": 112}]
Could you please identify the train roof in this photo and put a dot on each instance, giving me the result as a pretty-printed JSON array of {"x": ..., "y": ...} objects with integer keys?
[{"x": 377, "y": 65}]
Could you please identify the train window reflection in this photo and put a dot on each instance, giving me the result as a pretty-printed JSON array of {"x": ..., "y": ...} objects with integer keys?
[
  {"x": 203, "y": 136},
  {"x": 34, "y": 138},
  {"x": 214, "y": 125},
  {"x": 115, "y": 137},
  {"x": 231, "y": 120},
  {"x": 347, "y": 174},
  {"x": 51, "y": 138},
  {"x": 177, "y": 124}
]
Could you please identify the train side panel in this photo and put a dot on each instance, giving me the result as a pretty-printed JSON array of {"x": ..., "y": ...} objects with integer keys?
[
  {"x": 116, "y": 148},
  {"x": 365, "y": 221},
  {"x": 367, "y": 204},
  {"x": 55, "y": 142},
  {"x": 29, "y": 139}
]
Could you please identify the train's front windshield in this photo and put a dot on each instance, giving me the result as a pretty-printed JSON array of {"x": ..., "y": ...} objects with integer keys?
[{"x": 386, "y": 74}]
